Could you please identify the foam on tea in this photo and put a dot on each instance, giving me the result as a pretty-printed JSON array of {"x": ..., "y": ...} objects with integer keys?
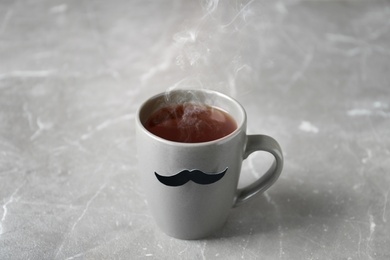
[{"x": 190, "y": 123}]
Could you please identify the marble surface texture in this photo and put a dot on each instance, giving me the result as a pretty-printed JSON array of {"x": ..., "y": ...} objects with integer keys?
[{"x": 315, "y": 75}]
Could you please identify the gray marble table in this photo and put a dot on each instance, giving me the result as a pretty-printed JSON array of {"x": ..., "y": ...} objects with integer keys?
[{"x": 315, "y": 75}]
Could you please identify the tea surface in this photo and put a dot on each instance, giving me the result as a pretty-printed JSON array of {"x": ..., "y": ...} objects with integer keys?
[{"x": 190, "y": 123}]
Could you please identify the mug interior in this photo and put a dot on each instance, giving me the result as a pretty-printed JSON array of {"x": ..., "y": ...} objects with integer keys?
[{"x": 203, "y": 97}]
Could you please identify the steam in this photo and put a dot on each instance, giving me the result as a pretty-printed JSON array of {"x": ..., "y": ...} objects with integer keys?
[
  {"x": 207, "y": 52},
  {"x": 209, "y": 6}
]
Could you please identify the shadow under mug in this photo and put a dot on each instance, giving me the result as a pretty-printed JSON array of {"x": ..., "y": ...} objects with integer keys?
[{"x": 195, "y": 209}]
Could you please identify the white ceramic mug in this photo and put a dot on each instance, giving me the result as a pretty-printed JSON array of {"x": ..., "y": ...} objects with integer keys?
[{"x": 192, "y": 208}]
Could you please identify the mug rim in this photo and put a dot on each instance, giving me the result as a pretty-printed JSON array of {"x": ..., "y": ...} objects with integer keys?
[{"x": 241, "y": 122}]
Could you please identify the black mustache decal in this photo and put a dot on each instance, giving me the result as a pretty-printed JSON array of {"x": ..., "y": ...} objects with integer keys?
[{"x": 196, "y": 176}]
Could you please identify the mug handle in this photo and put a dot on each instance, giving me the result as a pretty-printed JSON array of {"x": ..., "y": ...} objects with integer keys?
[{"x": 261, "y": 143}]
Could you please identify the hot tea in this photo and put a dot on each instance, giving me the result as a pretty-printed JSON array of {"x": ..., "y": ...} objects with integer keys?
[{"x": 190, "y": 123}]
